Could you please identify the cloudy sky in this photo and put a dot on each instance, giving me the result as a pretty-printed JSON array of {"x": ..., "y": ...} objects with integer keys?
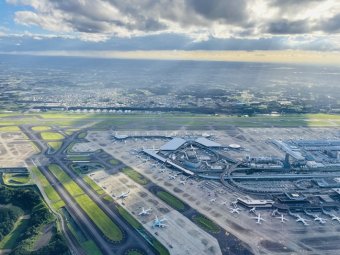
[{"x": 32, "y": 25}]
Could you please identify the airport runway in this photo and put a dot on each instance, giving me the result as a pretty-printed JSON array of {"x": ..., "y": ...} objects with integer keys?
[{"x": 132, "y": 240}]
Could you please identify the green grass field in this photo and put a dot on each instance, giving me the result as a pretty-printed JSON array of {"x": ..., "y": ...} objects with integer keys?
[
  {"x": 78, "y": 158},
  {"x": 16, "y": 179},
  {"x": 134, "y": 175},
  {"x": 47, "y": 136},
  {"x": 170, "y": 121},
  {"x": 54, "y": 145},
  {"x": 94, "y": 185},
  {"x": 114, "y": 162},
  {"x": 9, "y": 129},
  {"x": 159, "y": 247},
  {"x": 91, "y": 248},
  {"x": 206, "y": 224},
  {"x": 52, "y": 195},
  {"x": 171, "y": 200},
  {"x": 128, "y": 217},
  {"x": 88, "y": 245},
  {"x": 104, "y": 223},
  {"x": 82, "y": 135},
  {"x": 41, "y": 128}
]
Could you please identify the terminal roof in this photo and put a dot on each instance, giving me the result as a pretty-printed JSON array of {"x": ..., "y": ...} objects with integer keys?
[
  {"x": 206, "y": 142},
  {"x": 173, "y": 144}
]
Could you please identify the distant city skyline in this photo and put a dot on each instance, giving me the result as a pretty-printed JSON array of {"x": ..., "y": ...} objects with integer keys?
[{"x": 32, "y": 25}]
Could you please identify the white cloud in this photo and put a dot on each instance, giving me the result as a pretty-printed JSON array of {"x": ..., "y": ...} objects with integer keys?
[{"x": 99, "y": 20}]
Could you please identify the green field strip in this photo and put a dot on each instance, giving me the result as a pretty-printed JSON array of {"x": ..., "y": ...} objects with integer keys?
[
  {"x": 103, "y": 222},
  {"x": 52, "y": 195},
  {"x": 171, "y": 200},
  {"x": 47, "y": 136},
  {"x": 41, "y": 128},
  {"x": 94, "y": 185}
]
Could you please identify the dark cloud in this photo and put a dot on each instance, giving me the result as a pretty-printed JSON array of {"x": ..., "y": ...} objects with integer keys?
[
  {"x": 332, "y": 25},
  {"x": 293, "y": 5},
  {"x": 232, "y": 11},
  {"x": 287, "y": 27}
]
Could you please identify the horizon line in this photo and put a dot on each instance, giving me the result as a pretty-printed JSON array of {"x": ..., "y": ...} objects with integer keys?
[{"x": 259, "y": 56}]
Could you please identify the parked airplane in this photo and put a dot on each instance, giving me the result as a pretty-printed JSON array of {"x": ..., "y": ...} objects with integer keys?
[
  {"x": 172, "y": 177},
  {"x": 234, "y": 203},
  {"x": 213, "y": 200},
  {"x": 159, "y": 223},
  {"x": 253, "y": 210},
  {"x": 183, "y": 182},
  {"x": 123, "y": 195},
  {"x": 319, "y": 219},
  {"x": 334, "y": 217},
  {"x": 225, "y": 202},
  {"x": 145, "y": 212},
  {"x": 235, "y": 210},
  {"x": 275, "y": 212},
  {"x": 258, "y": 219},
  {"x": 282, "y": 218},
  {"x": 302, "y": 220}
]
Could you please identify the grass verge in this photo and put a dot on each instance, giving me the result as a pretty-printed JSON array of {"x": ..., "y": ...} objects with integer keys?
[
  {"x": 134, "y": 175},
  {"x": 171, "y": 200},
  {"x": 10, "y": 129},
  {"x": 54, "y": 145},
  {"x": 47, "y": 136},
  {"x": 16, "y": 179},
  {"x": 206, "y": 224},
  {"x": 41, "y": 128},
  {"x": 52, "y": 195}
]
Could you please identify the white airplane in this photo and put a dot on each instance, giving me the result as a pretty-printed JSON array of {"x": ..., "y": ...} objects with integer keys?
[
  {"x": 334, "y": 217},
  {"x": 282, "y": 218},
  {"x": 253, "y": 210},
  {"x": 183, "y": 182},
  {"x": 319, "y": 219},
  {"x": 159, "y": 223},
  {"x": 258, "y": 219},
  {"x": 234, "y": 203},
  {"x": 123, "y": 195},
  {"x": 302, "y": 220},
  {"x": 235, "y": 210},
  {"x": 145, "y": 212},
  {"x": 225, "y": 202},
  {"x": 213, "y": 200},
  {"x": 162, "y": 170},
  {"x": 172, "y": 177},
  {"x": 275, "y": 212}
]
